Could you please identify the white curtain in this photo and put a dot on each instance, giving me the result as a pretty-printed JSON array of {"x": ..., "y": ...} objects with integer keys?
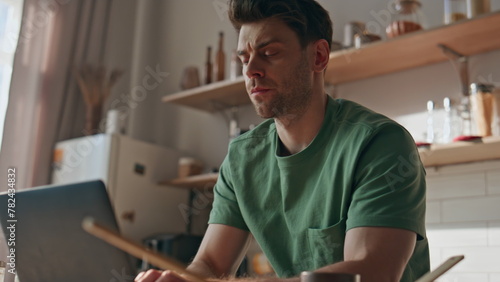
[{"x": 45, "y": 104}]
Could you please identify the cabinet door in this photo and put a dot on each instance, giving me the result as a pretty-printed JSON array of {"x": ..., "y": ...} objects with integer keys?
[{"x": 144, "y": 208}]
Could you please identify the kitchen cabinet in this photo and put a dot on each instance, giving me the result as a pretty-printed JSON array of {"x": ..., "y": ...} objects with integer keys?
[{"x": 468, "y": 37}]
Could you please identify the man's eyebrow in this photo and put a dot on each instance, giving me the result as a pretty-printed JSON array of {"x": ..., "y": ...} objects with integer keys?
[{"x": 260, "y": 46}]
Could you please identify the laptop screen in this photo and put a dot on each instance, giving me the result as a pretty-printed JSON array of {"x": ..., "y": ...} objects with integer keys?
[{"x": 50, "y": 244}]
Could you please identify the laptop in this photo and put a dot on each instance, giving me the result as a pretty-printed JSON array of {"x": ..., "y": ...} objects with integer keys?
[{"x": 50, "y": 242}]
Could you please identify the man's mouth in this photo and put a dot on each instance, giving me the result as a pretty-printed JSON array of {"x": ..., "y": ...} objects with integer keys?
[{"x": 259, "y": 90}]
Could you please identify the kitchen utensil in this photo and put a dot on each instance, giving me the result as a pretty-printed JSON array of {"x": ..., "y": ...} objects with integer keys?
[
  {"x": 137, "y": 250},
  {"x": 309, "y": 276},
  {"x": 440, "y": 270}
]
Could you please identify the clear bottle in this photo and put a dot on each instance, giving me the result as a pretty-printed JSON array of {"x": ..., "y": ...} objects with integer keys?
[
  {"x": 431, "y": 138},
  {"x": 408, "y": 17},
  {"x": 454, "y": 10},
  {"x": 450, "y": 126},
  {"x": 465, "y": 117}
]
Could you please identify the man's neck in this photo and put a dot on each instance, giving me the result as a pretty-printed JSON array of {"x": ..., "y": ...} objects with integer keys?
[{"x": 296, "y": 132}]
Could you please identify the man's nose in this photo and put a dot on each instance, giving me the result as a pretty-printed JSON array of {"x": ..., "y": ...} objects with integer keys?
[{"x": 254, "y": 68}]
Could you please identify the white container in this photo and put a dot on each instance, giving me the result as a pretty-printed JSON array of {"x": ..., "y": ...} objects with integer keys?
[{"x": 112, "y": 122}]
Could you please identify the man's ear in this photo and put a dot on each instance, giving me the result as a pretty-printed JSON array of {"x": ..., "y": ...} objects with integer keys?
[{"x": 321, "y": 55}]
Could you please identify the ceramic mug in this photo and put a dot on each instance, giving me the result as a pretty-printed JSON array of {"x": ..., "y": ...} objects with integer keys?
[{"x": 309, "y": 276}]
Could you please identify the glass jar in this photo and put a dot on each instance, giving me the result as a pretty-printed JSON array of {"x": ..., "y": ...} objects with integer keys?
[
  {"x": 466, "y": 122},
  {"x": 408, "y": 17},
  {"x": 454, "y": 10},
  {"x": 477, "y": 7},
  {"x": 482, "y": 106}
]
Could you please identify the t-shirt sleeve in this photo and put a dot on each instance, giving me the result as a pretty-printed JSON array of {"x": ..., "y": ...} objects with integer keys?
[
  {"x": 389, "y": 183},
  {"x": 225, "y": 208}
]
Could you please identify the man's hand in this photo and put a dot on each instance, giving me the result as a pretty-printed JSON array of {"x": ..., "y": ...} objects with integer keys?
[
  {"x": 153, "y": 275},
  {"x": 219, "y": 255}
]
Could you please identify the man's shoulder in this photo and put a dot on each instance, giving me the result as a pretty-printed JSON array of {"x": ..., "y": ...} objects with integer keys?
[
  {"x": 359, "y": 121},
  {"x": 355, "y": 114}
]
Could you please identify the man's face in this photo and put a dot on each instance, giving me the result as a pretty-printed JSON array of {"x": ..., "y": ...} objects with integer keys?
[{"x": 277, "y": 70}]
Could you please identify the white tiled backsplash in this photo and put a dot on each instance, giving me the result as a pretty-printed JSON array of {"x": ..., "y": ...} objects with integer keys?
[{"x": 463, "y": 217}]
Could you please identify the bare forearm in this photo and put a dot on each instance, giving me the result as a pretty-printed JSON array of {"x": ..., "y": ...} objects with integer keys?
[
  {"x": 367, "y": 271},
  {"x": 202, "y": 269}
]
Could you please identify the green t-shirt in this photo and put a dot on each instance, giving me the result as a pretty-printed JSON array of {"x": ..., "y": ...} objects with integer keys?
[{"x": 362, "y": 169}]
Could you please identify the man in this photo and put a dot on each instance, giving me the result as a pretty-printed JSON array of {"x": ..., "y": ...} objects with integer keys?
[{"x": 323, "y": 184}]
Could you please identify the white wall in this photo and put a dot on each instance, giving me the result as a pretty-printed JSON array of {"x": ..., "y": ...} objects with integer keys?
[{"x": 463, "y": 217}]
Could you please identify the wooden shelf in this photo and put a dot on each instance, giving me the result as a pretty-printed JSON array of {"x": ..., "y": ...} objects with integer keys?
[
  {"x": 212, "y": 97},
  {"x": 436, "y": 155},
  {"x": 416, "y": 49},
  {"x": 461, "y": 152},
  {"x": 202, "y": 181}
]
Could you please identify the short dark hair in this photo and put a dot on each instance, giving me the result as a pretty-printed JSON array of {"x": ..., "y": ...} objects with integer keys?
[{"x": 307, "y": 18}]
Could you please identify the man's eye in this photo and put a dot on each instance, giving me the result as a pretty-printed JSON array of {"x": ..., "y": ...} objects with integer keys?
[
  {"x": 270, "y": 53},
  {"x": 243, "y": 61}
]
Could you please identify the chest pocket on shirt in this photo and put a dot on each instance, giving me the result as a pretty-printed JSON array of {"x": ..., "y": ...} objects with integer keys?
[{"x": 327, "y": 244}]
